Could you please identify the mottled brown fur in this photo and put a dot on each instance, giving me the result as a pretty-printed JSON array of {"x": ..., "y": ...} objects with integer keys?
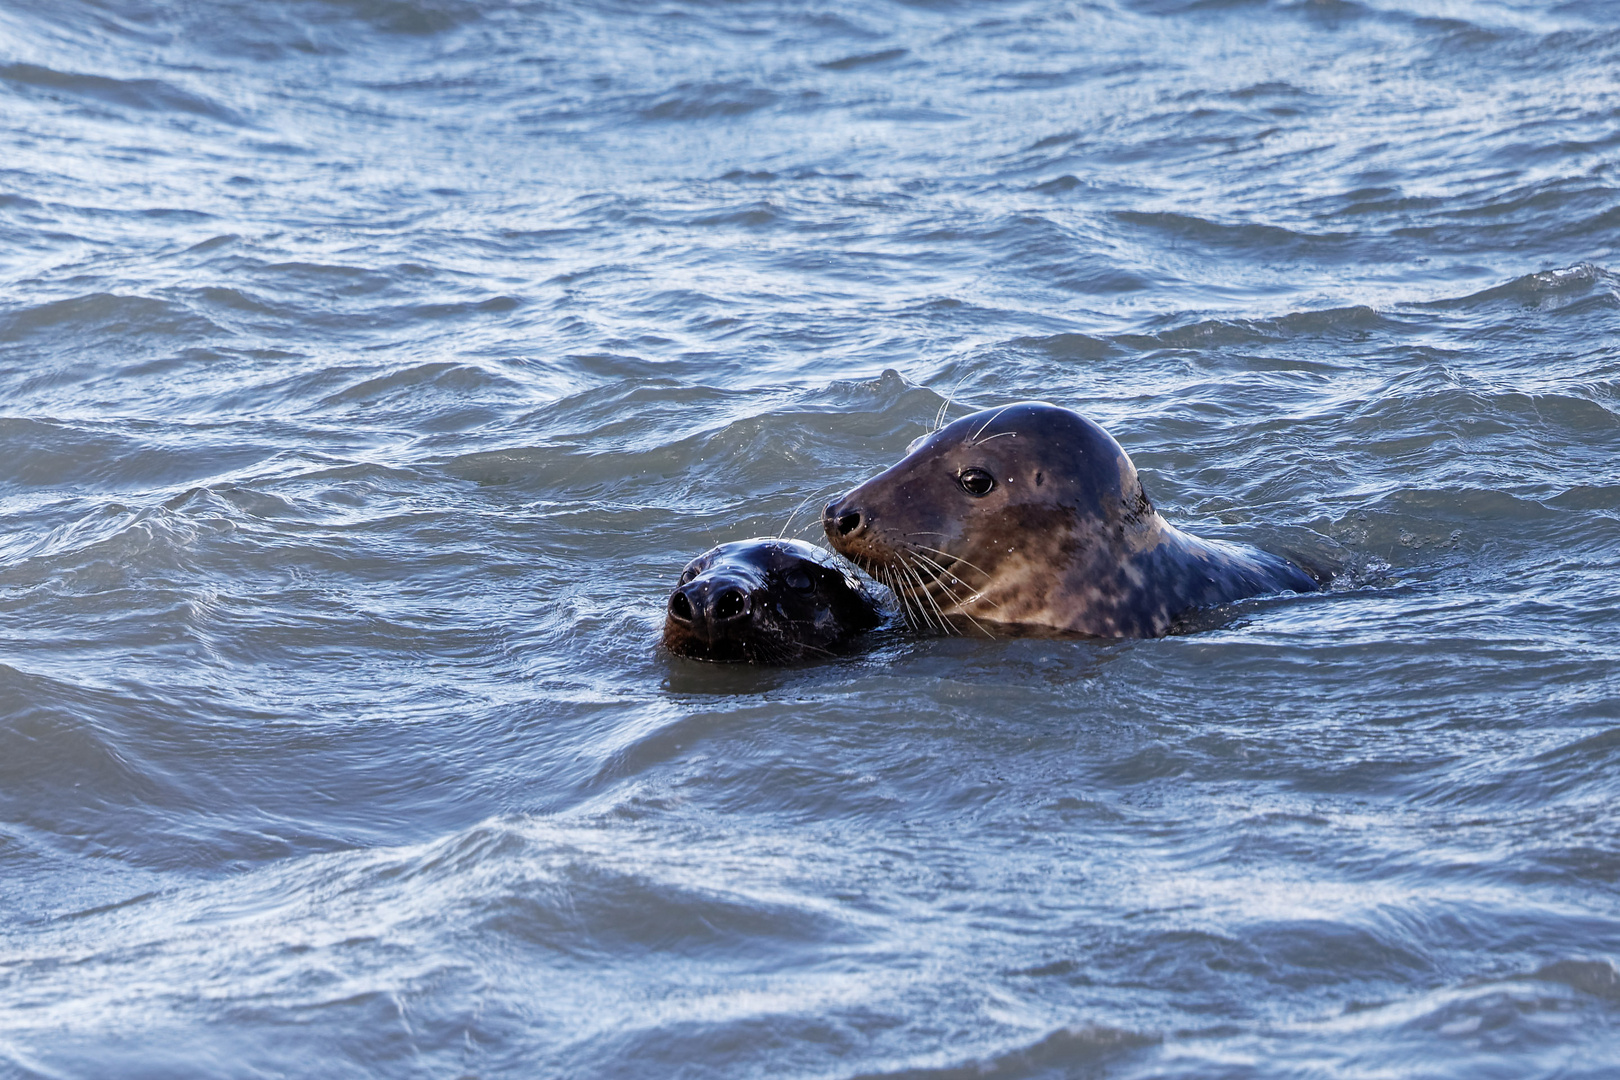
[{"x": 1064, "y": 539}]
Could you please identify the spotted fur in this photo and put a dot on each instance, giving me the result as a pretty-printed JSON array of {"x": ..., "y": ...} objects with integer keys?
[{"x": 1065, "y": 540}]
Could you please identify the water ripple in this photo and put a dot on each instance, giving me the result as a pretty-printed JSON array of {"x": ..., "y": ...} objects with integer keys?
[{"x": 370, "y": 368}]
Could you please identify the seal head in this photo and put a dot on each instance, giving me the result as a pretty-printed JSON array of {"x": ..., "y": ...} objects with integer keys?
[
  {"x": 1032, "y": 516},
  {"x": 767, "y": 601}
]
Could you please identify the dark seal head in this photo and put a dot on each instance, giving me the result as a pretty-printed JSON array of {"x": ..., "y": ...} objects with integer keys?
[
  {"x": 767, "y": 601},
  {"x": 1032, "y": 516}
]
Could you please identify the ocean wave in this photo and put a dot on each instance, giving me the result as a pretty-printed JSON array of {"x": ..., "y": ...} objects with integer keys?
[
  {"x": 1546, "y": 290},
  {"x": 105, "y": 316},
  {"x": 147, "y": 95},
  {"x": 369, "y": 369}
]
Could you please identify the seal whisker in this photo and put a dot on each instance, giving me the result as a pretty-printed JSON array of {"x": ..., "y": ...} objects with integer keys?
[
  {"x": 923, "y": 621},
  {"x": 933, "y": 564},
  {"x": 810, "y": 523},
  {"x": 958, "y": 602},
  {"x": 820, "y": 542},
  {"x": 939, "y": 615},
  {"x": 945, "y": 406},
  {"x": 977, "y": 597},
  {"x": 802, "y": 504},
  {"x": 920, "y": 596},
  {"x": 879, "y": 573},
  {"x": 924, "y": 586},
  {"x": 997, "y": 435},
  {"x": 960, "y": 610},
  {"x": 900, "y": 594},
  {"x": 955, "y": 559},
  {"x": 939, "y": 572},
  {"x": 817, "y": 649},
  {"x": 918, "y": 590},
  {"x": 974, "y": 438},
  {"x": 923, "y": 599}
]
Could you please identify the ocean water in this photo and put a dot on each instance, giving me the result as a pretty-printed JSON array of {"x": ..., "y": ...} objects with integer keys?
[{"x": 370, "y": 368}]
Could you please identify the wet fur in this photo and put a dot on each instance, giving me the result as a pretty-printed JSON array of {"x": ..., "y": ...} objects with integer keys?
[
  {"x": 784, "y": 623},
  {"x": 1066, "y": 541}
]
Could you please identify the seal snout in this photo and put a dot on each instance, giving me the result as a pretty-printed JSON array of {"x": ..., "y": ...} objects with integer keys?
[
  {"x": 840, "y": 520},
  {"x": 710, "y": 602}
]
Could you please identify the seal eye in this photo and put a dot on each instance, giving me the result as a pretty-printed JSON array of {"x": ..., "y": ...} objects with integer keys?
[
  {"x": 798, "y": 580},
  {"x": 976, "y": 482},
  {"x": 689, "y": 574}
]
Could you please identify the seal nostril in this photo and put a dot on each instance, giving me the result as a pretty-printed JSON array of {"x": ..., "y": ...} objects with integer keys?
[
  {"x": 849, "y": 522},
  {"x": 680, "y": 607},
  {"x": 730, "y": 604}
]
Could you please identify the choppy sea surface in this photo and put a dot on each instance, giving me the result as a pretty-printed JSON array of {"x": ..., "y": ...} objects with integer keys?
[{"x": 370, "y": 368}]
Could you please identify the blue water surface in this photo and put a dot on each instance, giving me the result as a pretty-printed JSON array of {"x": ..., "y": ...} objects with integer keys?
[{"x": 370, "y": 368}]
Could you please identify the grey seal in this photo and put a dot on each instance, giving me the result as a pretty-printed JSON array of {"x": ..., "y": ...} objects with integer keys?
[
  {"x": 767, "y": 601},
  {"x": 1032, "y": 517}
]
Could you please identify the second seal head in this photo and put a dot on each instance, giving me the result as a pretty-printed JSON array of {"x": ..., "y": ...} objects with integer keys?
[{"x": 767, "y": 601}]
